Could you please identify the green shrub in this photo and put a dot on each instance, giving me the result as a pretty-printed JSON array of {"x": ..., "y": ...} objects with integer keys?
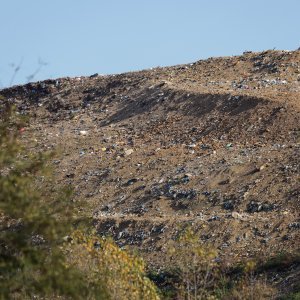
[{"x": 32, "y": 224}]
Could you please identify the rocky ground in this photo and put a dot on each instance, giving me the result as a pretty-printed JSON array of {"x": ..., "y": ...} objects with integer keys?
[{"x": 213, "y": 144}]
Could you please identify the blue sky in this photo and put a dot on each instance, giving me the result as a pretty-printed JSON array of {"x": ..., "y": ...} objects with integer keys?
[{"x": 76, "y": 37}]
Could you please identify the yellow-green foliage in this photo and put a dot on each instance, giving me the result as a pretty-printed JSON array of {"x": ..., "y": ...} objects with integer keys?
[
  {"x": 123, "y": 273},
  {"x": 194, "y": 265}
]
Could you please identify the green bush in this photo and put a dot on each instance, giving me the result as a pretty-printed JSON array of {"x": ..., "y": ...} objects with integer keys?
[{"x": 32, "y": 225}]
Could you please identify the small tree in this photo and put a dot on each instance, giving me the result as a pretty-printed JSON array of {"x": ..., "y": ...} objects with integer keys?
[
  {"x": 32, "y": 224},
  {"x": 194, "y": 265}
]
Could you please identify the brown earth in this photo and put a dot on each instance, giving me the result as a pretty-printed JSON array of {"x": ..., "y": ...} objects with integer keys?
[{"x": 214, "y": 144}]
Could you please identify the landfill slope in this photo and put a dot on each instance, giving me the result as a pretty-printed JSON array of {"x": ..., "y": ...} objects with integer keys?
[{"x": 214, "y": 144}]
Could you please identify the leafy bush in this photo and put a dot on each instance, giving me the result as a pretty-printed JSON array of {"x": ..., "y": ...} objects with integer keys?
[
  {"x": 123, "y": 273},
  {"x": 32, "y": 224}
]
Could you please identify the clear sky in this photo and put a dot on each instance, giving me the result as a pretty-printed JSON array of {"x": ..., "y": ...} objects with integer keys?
[{"x": 76, "y": 37}]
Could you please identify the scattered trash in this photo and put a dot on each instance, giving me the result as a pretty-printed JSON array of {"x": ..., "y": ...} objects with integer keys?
[
  {"x": 94, "y": 75},
  {"x": 209, "y": 144},
  {"x": 128, "y": 152},
  {"x": 256, "y": 206},
  {"x": 131, "y": 181},
  {"x": 83, "y": 132}
]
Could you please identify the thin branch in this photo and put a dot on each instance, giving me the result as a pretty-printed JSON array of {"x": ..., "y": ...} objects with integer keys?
[
  {"x": 16, "y": 70},
  {"x": 41, "y": 64}
]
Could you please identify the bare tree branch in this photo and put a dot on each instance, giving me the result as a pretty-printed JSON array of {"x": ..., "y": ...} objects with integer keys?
[
  {"x": 41, "y": 64},
  {"x": 16, "y": 70}
]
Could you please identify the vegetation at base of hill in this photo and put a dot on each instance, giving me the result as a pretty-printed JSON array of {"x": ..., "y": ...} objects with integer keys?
[{"x": 196, "y": 272}]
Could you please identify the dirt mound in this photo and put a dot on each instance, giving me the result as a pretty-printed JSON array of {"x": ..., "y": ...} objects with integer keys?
[{"x": 214, "y": 144}]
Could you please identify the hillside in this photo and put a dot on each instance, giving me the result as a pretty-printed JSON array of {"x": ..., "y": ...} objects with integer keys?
[{"x": 214, "y": 144}]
